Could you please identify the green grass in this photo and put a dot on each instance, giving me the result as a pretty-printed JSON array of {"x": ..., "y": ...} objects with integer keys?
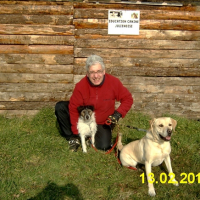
[{"x": 35, "y": 163}]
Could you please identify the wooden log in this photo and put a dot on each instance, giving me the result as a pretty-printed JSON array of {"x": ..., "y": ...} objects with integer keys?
[
  {"x": 35, "y": 78},
  {"x": 164, "y": 89},
  {"x": 148, "y": 71},
  {"x": 36, "y": 19},
  {"x": 162, "y": 81},
  {"x": 94, "y": 13},
  {"x": 9, "y": 29},
  {"x": 37, "y": 87},
  {"x": 129, "y": 81},
  {"x": 49, "y": 59},
  {"x": 144, "y": 24},
  {"x": 36, "y": 49},
  {"x": 37, "y": 39},
  {"x": 144, "y": 34},
  {"x": 138, "y": 53},
  {"x": 7, "y": 2},
  {"x": 37, "y": 97},
  {"x": 130, "y": 63},
  {"x": 78, "y": 5},
  {"x": 19, "y": 8},
  {"x": 170, "y": 25},
  {"x": 166, "y": 98},
  {"x": 36, "y": 68},
  {"x": 111, "y": 43}
]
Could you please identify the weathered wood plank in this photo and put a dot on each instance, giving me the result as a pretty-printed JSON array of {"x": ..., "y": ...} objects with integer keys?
[
  {"x": 161, "y": 81},
  {"x": 19, "y": 8},
  {"x": 144, "y": 24},
  {"x": 136, "y": 44},
  {"x": 78, "y": 5},
  {"x": 138, "y": 53},
  {"x": 37, "y": 39},
  {"x": 93, "y": 13},
  {"x": 35, "y": 78},
  {"x": 36, "y": 49},
  {"x": 165, "y": 89},
  {"x": 31, "y": 96},
  {"x": 144, "y": 34},
  {"x": 129, "y": 81},
  {"x": 166, "y": 97},
  {"x": 49, "y": 59},
  {"x": 149, "y": 71},
  {"x": 36, "y": 29},
  {"x": 36, "y": 68},
  {"x": 130, "y": 63},
  {"x": 37, "y": 87},
  {"x": 54, "y": 2},
  {"x": 36, "y": 19}
]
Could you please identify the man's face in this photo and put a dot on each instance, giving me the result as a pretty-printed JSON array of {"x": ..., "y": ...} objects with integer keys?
[{"x": 96, "y": 74}]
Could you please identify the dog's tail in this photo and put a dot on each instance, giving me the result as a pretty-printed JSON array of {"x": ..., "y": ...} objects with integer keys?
[{"x": 119, "y": 142}]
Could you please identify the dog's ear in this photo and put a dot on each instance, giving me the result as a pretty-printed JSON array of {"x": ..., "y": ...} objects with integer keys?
[
  {"x": 90, "y": 107},
  {"x": 174, "y": 123},
  {"x": 151, "y": 122},
  {"x": 80, "y": 108}
]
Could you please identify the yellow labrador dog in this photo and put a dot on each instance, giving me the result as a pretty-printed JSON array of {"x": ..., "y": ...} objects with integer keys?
[{"x": 151, "y": 150}]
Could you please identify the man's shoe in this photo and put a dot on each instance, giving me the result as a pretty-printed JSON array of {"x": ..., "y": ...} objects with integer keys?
[{"x": 74, "y": 144}]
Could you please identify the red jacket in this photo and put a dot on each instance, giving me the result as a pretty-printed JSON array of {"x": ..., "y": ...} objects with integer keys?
[{"x": 102, "y": 97}]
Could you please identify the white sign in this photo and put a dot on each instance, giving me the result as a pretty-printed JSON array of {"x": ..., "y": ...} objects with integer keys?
[{"x": 123, "y": 22}]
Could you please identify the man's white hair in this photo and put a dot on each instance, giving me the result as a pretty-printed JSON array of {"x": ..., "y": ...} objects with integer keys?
[{"x": 92, "y": 60}]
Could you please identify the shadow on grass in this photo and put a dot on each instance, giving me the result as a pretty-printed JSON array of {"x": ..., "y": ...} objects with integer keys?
[{"x": 55, "y": 192}]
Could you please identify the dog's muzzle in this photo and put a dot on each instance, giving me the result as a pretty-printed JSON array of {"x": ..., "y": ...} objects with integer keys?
[
  {"x": 87, "y": 117},
  {"x": 168, "y": 137}
]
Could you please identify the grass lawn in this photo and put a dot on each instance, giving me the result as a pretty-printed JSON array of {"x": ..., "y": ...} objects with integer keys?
[{"x": 36, "y": 164}]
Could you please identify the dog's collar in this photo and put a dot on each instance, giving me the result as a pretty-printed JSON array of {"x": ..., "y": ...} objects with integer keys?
[{"x": 96, "y": 85}]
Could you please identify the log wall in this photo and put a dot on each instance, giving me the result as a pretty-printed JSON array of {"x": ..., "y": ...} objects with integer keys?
[{"x": 44, "y": 46}]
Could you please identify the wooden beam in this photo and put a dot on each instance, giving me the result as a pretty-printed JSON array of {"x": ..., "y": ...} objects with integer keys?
[
  {"x": 144, "y": 24},
  {"x": 36, "y": 19},
  {"x": 36, "y": 68},
  {"x": 119, "y": 43},
  {"x": 35, "y": 78},
  {"x": 50, "y": 59},
  {"x": 11, "y": 29},
  {"x": 136, "y": 3},
  {"x": 102, "y": 13},
  {"x": 138, "y": 53},
  {"x": 37, "y": 49},
  {"x": 33, "y": 8},
  {"x": 37, "y": 39},
  {"x": 30, "y": 96},
  {"x": 144, "y": 34}
]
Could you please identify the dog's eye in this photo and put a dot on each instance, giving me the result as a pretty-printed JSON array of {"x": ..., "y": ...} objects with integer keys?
[
  {"x": 83, "y": 112},
  {"x": 161, "y": 125},
  {"x": 90, "y": 112},
  {"x": 170, "y": 124}
]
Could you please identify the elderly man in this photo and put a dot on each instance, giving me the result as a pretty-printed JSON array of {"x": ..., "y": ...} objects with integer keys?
[{"x": 101, "y": 90}]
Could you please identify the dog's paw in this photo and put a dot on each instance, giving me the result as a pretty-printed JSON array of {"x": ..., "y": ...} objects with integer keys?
[
  {"x": 84, "y": 151},
  {"x": 152, "y": 193},
  {"x": 175, "y": 183}
]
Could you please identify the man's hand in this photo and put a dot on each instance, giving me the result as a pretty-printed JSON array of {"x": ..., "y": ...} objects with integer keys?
[{"x": 114, "y": 118}]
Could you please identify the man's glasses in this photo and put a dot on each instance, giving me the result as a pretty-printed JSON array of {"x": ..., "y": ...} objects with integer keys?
[{"x": 99, "y": 72}]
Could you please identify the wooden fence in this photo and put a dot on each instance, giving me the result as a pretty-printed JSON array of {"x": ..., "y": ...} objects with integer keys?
[{"x": 44, "y": 46}]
